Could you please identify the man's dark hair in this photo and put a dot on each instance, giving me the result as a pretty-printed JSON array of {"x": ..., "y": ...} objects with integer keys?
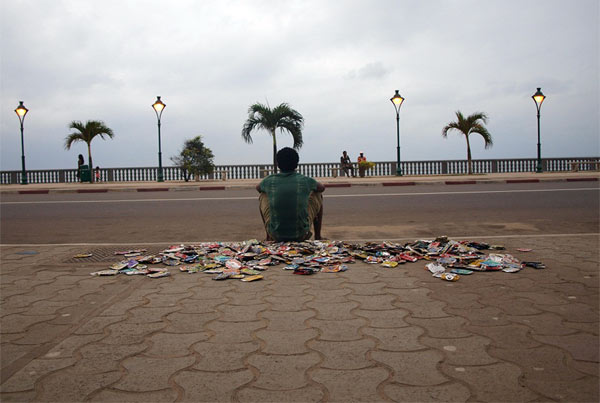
[{"x": 287, "y": 159}]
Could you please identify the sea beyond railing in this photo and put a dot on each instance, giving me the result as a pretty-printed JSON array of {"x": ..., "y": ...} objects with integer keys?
[{"x": 321, "y": 169}]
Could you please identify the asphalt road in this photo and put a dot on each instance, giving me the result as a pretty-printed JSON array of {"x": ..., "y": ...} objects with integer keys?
[{"x": 356, "y": 213}]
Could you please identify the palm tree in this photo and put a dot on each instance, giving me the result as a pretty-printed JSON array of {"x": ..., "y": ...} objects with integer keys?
[
  {"x": 86, "y": 133},
  {"x": 281, "y": 117},
  {"x": 472, "y": 124}
]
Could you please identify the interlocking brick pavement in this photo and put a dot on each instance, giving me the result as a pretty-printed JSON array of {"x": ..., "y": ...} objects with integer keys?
[{"x": 368, "y": 334}]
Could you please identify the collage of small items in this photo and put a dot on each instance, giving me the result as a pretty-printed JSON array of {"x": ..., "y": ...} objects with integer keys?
[{"x": 247, "y": 261}]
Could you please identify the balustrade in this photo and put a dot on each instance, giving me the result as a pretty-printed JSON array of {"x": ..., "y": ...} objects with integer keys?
[{"x": 384, "y": 168}]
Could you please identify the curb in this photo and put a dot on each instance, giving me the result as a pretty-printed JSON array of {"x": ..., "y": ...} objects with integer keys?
[{"x": 326, "y": 184}]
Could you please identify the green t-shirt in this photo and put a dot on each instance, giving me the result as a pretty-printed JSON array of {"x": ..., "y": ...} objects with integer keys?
[{"x": 288, "y": 194}]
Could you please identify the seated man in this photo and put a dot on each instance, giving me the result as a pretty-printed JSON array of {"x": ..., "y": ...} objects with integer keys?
[
  {"x": 290, "y": 202},
  {"x": 346, "y": 164}
]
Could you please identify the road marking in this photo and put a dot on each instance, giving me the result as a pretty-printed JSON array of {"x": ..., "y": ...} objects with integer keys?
[
  {"x": 167, "y": 243},
  {"x": 325, "y": 196}
]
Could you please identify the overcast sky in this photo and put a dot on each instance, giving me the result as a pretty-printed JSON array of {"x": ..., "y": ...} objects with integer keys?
[{"x": 336, "y": 62}]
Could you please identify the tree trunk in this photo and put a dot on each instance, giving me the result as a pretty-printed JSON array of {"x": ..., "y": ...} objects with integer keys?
[
  {"x": 274, "y": 152},
  {"x": 470, "y": 168},
  {"x": 91, "y": 164}
]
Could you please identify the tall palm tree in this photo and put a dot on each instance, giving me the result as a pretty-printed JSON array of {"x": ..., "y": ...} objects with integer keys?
[
  {"x": 86, "y": 133},
  {"x": 281, "y": 117},
  {"x": 472, "y": 124}
]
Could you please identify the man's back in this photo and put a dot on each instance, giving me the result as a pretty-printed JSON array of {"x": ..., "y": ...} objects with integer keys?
[{"x": 288, "y": 194}]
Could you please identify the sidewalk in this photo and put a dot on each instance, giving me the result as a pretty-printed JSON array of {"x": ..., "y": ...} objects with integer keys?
[
  {"x": 368, "y": 334},
  {"x": 328, "y": 181}
]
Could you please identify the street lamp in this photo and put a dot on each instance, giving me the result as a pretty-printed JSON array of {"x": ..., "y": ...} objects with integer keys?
[
  {"x": 21, "y": 111},
  {"x": 158, "y": 107},
  {"x": 397, "y": 101},
  {"x": 538, "y": 98}
]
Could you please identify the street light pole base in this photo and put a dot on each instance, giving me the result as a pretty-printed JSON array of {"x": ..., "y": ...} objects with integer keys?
[{"x": 399, "y": 172}]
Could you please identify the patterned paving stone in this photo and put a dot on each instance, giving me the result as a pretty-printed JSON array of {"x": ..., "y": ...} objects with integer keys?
[
  {"x": 284, "y": 342},
  {"x": 209, "y": 293},
  {"x": 97, "y": 324},
  {"x": 118, "y": 396},
  {"x": 45, "y": 308},
  {"x": 449, "y": 392},
  {"x": 342, "y": 330},
  {"x": 28, "y": 396},
  {"x": 374, "y": 302},
  {"x": 470, "y": 350},
  {"x": 246, "y": 298},
  {"x": 178, "y": 322},
  {"x": 71, "y": 344},
  {"x": 496, "y": 382},
  {"x": 367, "y": 289},
  {"x": 448, "y": 327},
  {"x": 149, "y": 315},
  {"x": 351, "y": 385},
  {"x": 509, "y": 336},
  {"x": 467, "y": 300},
  {"x": 289, "y": 291},
  {"x": 309, "y": 393},
  {"x": 331, "y": 296},
  {"x": 575, "y": 312},
  {"x": 131, "y": 333},
  {"x": 70, "y": 385},
  {"x": 401, "y": 339},
  {"x": 25, "y": 379},
  {"x": 543, "y": 363},
  {"x": 12, "y": 352},
  {"x": 394, "y": 285},
  {"x": 333, "y": 310},
  {"x": 345, "y": 354},
  {"x": 146, "y": 374},
  {"x": 173, "y": 344},
  {"x": 581, "y": 390},
  {"x": 202, "y": 386},
  {"x": 586, "y": 327},
  {"x": 98, "y": 358},
  {"x": 234, "y": 332},
  {"x": 244, "y": 313},
  {"x": 289, "y": 304},
  {"x": 546, "y": 323},
  {"x": 488, "y": 316},
  {"x": 218, "y": 357},
  {"x": 193, "y": 306},
  {"x": 289, "y": 321},
  {"x": 41, "y": 333},
  {"x": 581, "y": 346},
  {"x": 434, "y": 309},
  {"x": 282, "y": 372},
  {"x": 19, "y": 323},
  {"x": 417, "y": 368},
  {"x": 389, "y": 319}
]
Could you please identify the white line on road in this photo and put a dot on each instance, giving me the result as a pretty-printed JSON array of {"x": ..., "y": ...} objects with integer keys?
[
  {"x": 585, "y": 234},
  {"x": 325, "y": 195}
]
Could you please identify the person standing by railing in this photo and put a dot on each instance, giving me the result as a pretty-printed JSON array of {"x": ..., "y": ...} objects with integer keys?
[
  {"x": 346, "y": 164},
  {"x": 80, "y": 162}
]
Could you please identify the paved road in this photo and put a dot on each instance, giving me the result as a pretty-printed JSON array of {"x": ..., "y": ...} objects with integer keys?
[{"x": 362, "y": 213}]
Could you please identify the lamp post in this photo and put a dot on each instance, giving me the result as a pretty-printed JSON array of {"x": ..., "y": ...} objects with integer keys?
[
  {"x": 158, "y": 107},
  {"x": 21, "y": 111},
  {"x": 538, "y": 98},
  {"x": 397, "y": 101}
]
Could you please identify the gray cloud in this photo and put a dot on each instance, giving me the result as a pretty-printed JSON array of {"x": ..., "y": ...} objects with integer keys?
[{"x": 338, "y": 63}]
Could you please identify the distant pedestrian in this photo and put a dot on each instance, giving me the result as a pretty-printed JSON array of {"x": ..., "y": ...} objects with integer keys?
[
  {"x": 361, "y": 157},
  {"x": 80, "y": 162},
  {"x": 97, "y": 174},
  {"x": 346, "y": 164}
]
